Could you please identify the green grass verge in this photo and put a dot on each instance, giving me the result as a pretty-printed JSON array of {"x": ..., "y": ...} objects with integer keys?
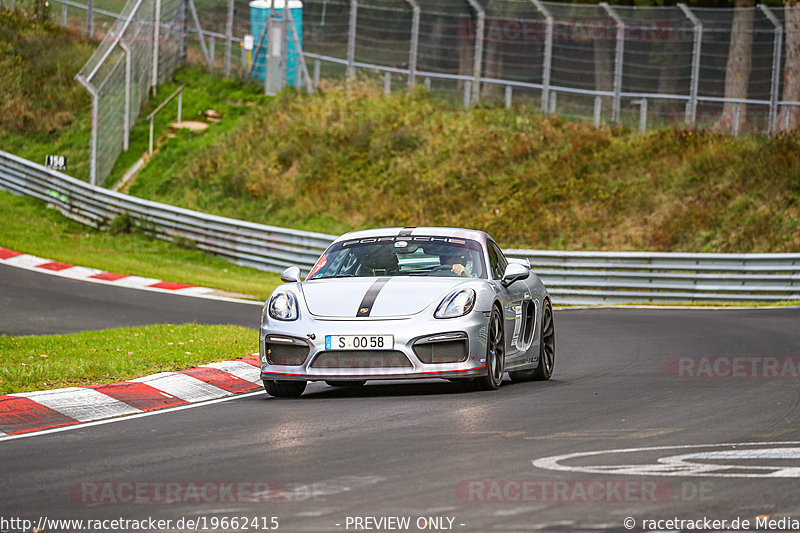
[
  {"x": 30, "y": 227},
  {"x": 93, "y": 357}
]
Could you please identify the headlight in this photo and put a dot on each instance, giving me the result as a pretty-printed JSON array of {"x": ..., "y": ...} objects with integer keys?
[
  {"x": 283, "y": 306},
  {"x": 457, "y": 303}
]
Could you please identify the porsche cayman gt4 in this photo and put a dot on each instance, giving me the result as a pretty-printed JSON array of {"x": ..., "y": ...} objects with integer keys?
[{"x": 407, "y": 303}]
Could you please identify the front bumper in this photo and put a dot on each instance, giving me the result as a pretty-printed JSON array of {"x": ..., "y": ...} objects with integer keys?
[{"x": 402, "y": 363}]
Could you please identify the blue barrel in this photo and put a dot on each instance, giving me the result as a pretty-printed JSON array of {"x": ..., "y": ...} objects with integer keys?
[{"x": 259, "y": 11}]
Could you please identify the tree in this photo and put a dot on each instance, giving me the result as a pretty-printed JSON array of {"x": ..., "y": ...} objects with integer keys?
[{"x": 737, "y": 72}]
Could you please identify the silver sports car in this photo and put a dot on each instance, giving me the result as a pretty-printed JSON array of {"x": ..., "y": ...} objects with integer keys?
[{"x": 407, "y": 303}]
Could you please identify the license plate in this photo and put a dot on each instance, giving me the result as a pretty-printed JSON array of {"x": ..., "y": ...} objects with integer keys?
[{"x": 359, "y": 342}]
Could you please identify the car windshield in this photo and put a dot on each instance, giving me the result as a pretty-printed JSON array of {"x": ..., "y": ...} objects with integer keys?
[{"x": 401, "y": 256}]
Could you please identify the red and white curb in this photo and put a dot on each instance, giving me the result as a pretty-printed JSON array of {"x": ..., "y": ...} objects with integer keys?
[
  {"x": 38, "y": 264},
  {"x": 26, "y": 412}
]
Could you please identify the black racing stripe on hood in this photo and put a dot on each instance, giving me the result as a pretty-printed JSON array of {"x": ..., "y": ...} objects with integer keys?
[
  {"x": 405, "y": 232},
  {"x": 372, "y": 294}
]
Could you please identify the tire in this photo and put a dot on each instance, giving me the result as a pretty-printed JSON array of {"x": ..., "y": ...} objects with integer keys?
[
  {"x": 547, "y": 350},
  {"x": 284, "y": 389},
  {"x": 495, "y": 355},
  {"x": 351, "y": 384}
]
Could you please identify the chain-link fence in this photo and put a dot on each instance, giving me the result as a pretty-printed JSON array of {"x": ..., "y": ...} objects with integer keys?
[
  {"x": 644, "y": 66},
  {"x": 141, "y": 48},
  {"x": 736, "y": 70}
]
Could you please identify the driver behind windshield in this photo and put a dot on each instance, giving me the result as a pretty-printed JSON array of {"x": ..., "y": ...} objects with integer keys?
[{"x": 456, "y": 262}]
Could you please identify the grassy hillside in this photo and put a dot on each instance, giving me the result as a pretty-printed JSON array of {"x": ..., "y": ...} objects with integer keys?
[
  {"x": 43, "y": 110},
  {"x": 349, "y": 159}
]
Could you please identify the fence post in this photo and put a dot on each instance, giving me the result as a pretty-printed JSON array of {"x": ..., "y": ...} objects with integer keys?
[
  {"x": 691, "y": 109},
  {"x": 737, "y": 111},
  {"x": 229, "y": 38},
  {"x": 351, "y": 39},
  {"x": 95, "y": 122},
  {"x": 199, "y": 30},
  {"x": 64, "y": 15},
  {"x": 642, "y": 113},
  {"x": 776, "y": 68},
  {"x": 126, "y": 120},
  {"x": 317, "y": 66},
  {"x": 548, "y": 53},
  {"x": 478, "y": 57},
  {"x": 509, "y": 96},
  {"x": 618, "y": 59},
  {"x": 156, "y": 37},
  {"x": 90, "y": 19},
  {"x": 467, "y": 93},
  {"x": 412, "y": 51},
  {"x": 598, "y": 108}
]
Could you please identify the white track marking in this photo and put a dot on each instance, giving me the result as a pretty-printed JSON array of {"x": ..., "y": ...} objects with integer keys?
[
  {"x": 183, "y": 386},
  {"x": 83, "y": 405},
  {"x": 239, "y": 369}
]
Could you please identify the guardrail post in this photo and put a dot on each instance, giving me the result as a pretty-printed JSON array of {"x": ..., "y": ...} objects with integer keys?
[
  {"x": 618, "y": 60},
  {"x": 478, "y": 54},
  {"x": 509, "y": 95},
  {"x": 691, "y": 108},
  {"x": 414, "y": 47},
  {"x": 64, "y": 15},
  {"x": 737, "y": 111},
  {"x": 317, "y": 66},
  {"x": 553, "y": 102},
  {"x": 467, "y": 93},
  {"x": 387, "y": 83},
  {"x": 776, "y": 67},
  {"x": 351, "y": 39},
  {"x": 548, "y": 53}
]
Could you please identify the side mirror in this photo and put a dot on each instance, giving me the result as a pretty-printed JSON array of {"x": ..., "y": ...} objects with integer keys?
[
  {"x": 514, "y": 272},
  {"x": 291, "y": 275}
]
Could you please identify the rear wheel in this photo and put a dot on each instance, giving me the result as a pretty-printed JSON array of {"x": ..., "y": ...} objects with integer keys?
[
  {"x": 547, "y": 349},
  {"x": 495, "y": 355},
  {"x": 284, "y": 389},
  {"x": 353, "y": 384}
]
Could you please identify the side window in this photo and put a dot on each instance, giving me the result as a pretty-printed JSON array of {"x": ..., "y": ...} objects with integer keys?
[{"x": 497, "y": 261}]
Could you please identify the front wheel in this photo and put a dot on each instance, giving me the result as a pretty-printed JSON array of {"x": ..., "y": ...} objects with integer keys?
[
  {"x": 547, "y": 349},
  {"x": 495, "y": 355},
  {"x": 284, "y": 389}
]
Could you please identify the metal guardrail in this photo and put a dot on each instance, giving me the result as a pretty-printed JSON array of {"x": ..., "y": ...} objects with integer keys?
[
  {"x": 577, "y": 278},
  {"x": 649, "y": 277},
  {"x": 245, "y": 243}
]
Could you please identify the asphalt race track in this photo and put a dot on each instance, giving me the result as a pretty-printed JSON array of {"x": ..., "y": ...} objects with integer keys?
[
  {"x": 35, "y": 303},
  {"x": 716, "y": 391}
]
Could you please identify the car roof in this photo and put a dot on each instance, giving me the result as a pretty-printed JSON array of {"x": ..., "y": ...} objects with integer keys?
[{"x": 461, "y": 233}]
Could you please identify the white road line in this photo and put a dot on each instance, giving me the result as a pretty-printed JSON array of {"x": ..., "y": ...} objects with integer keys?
[{"x": 81, "y": 404}]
